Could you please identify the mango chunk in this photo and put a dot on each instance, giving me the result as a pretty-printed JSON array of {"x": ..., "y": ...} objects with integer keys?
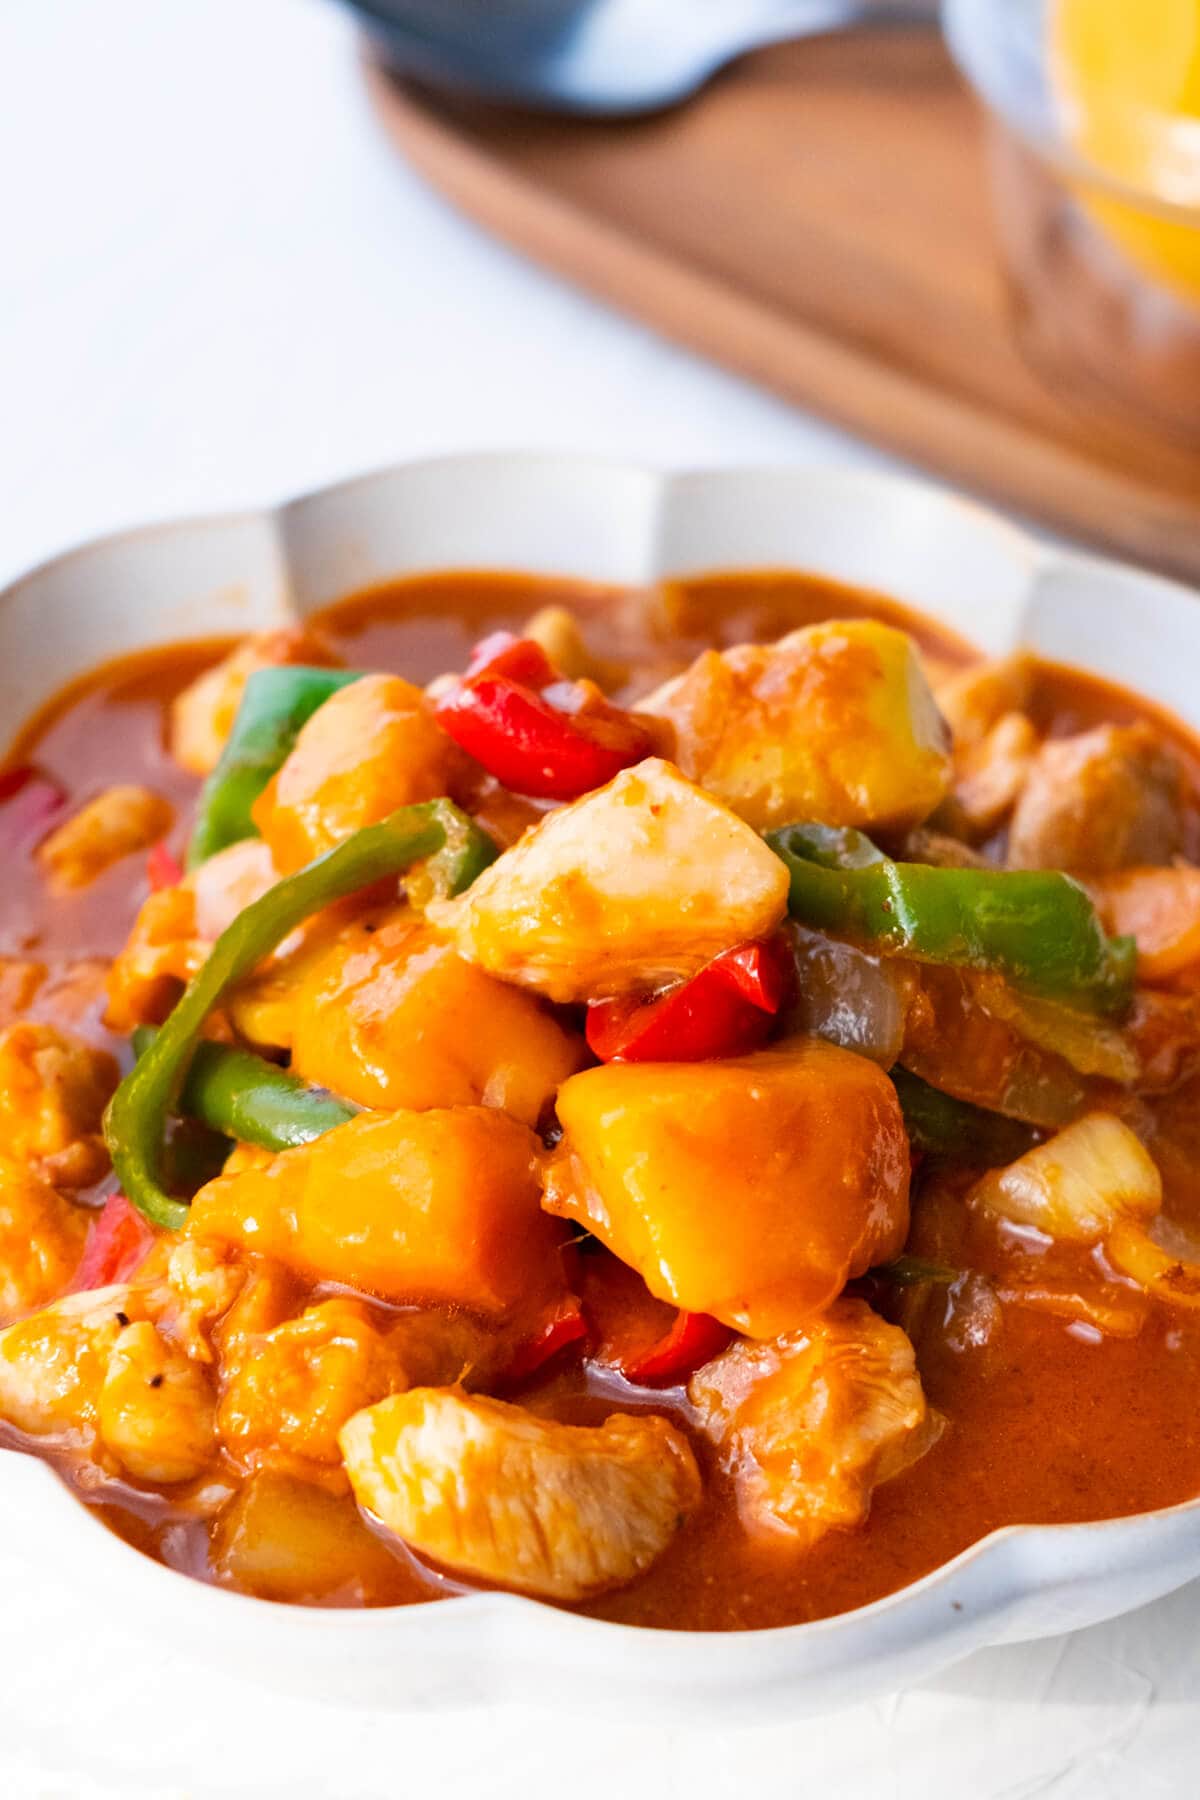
[
  {"x": 436, "y": 1207},
  {"x": 373, "y": 746},
  {"x": 393, "y": 1017},
  {"x": 835, "y": 722},
  {"x": 752, "y": 1189}
]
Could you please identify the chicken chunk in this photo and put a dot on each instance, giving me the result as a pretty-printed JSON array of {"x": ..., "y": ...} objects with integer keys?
[
  {"x": 975, "y": 699},
  {"x": 1161, "y": 909},
  {"x": 392, "y": 1017},
  {"x": 373, "y": 746},
  {"x": 752, "y": 1188},
  {"x": 490, "y": 1490},
  {"x": 202, "y": 716},
  {"x": 155, "y": 1409},
  {"x": 643, "y": 881},
  {"x": 294, "y": 1387},
  {"x": 990, "y": 775},
  {"x": 176, "y": 928},
  {"x": 202, "y": 1282},
  {"x": 226, "y": 884},
  {"x": 53, "y": 1364},
  {"x": 811, "y": 1424},
  {"x": 835, "y": 723},
  {"x": 1104, "y": 800},
  {"x": 53, "y": 1091},
  {"x": 434, "y": 1207},
  {"x": 20, "y": 979},
  {"x": 41, "y": 1239},
  {"x": 161, "y": 953},
  {"x": 117, "y": 823}
]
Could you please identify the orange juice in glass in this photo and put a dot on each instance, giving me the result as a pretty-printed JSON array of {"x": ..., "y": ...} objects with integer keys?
[{"x": 1097, "y": 163}]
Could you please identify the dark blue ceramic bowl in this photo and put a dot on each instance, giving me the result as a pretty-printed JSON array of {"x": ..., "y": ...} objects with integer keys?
[{"x": 588, "y": 56}]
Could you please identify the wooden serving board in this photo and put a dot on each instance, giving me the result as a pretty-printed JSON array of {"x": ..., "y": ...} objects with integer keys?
[{"x": 819, "y": 219}]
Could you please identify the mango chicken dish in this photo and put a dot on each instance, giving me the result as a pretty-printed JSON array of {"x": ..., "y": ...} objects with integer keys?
[{"x": 682, "y": 1103}]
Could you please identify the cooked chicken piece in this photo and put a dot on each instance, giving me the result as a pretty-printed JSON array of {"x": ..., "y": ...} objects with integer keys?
[
  {"x": 1161, "y": 909},
  {"x": 226, "y": 884},
  {"x": 432, "y": 1207},
  {"x": 269, "y": 1294},
  {"x": 392, "y": 1017},
  {"x": 295, "y": 1387},
  {"x": 117, "y": 823},
  {"x": 752, "y": 1188},
  {"x": 53, "y": 1364},
  {"x": 372, "y": 747},
  {"x": 53, "y": 1091},
  {"x": 558, "y": 632},
  {"x": 41, "y": 1239},
  {"x": 177, "y": 927},
  {"x": 203, "y": 714},
  {"x": 975, "y": 699},
  {"x": 1078, "y": 1184},
  {"x": 155, "y": 1409},
  {"x": 20, "y": 980},
  {"x": 990, "y": 775},
  {"x": 834, "y": 723},
  {"x": 488, "y": 1489},
  {"x": 1103, "y": 800},
  {"x": 941, "y": 851},
  {"x": 445, "y": 1347},
  {"x": 161, "y": 953},
  {"x": 201, "y": 1283},
  {"x": 284, "y": 1539},
  {"x": 643, "y": 881},
  {"x": 811, "y": 1424},
  {"x": 73, "y": 993}
]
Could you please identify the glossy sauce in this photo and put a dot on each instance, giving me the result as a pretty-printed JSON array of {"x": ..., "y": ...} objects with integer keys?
[{"x": 1050, "y": 1422}]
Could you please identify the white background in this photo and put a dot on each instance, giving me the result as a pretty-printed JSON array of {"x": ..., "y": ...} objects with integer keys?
[{"x": 217, "y": 286}]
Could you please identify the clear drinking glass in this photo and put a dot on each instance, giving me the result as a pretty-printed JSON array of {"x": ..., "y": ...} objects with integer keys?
[{"x": 1095, "y": 147}]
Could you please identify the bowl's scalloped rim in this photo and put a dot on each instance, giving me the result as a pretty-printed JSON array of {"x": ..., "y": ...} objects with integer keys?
[{"x": 1001, "y": 1570}]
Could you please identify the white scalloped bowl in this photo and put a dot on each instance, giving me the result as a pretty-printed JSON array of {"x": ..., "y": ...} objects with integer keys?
[{"x": 579, "y": 517}]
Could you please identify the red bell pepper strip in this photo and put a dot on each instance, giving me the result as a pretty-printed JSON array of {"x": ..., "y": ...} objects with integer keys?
[
  {"x": 725, "y": 1010},
  {"x": 568, "y": 1324},
  {"x": 118, "y": 1242},
  {"x": 162, "y": 869},
  {"x": 539, "y": 735},
  {"x": 520, "y": 659},
  {"x": 28, "y": 801},
  {"x": 694, "y": 1339}
]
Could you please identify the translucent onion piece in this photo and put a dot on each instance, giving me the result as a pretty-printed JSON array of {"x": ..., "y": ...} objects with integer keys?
[
  {"x": 848, "y": 997},
  {"x": 1079, "y": 1184},
  {"x": 1167, "y": 1276}
]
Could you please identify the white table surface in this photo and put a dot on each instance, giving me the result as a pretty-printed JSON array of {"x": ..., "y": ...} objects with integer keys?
[{"x": 218, "y": 285}]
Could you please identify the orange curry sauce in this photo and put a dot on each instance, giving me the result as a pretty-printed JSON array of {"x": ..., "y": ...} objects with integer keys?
[{"x": 1049, "y": 1421}]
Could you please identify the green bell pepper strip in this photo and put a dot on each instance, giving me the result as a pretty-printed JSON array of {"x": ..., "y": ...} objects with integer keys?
[
  {"x": 910, "y": 1271},
  {"x": 251, "y": 1100},
  {"x": 940, "y": 1125},
  {"x": 136, "y": 1118},
  {"x": 1037, "y": 928},
  {"x": 275, "y": 704}
]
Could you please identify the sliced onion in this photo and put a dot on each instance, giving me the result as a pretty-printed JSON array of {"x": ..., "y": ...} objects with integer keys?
[
  {"x": 1171, "y": 1278},
  {"x": 1090, "y": 1045},
  {"x": 1078, "y": 1185},
  {"x": 1108, "y": 1310},
  {"x": 848, "y": 997}
]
